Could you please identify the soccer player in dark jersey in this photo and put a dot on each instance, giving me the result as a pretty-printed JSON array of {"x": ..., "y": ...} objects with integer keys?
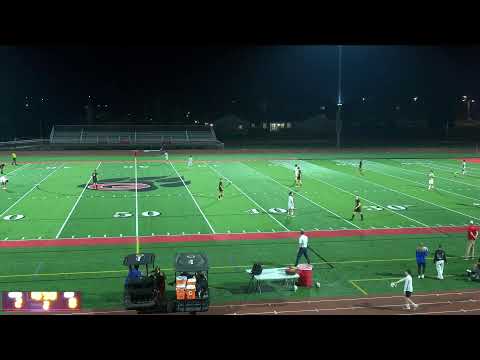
[
  {"x": 299, "y": 176},
  {"x": 220, "y": 189},
  {"x": 94, "y": 178},
  {"x": 2, "y": 166},
  {"x": 357, "y": 209},
  {"x": 360, "y": 165}
]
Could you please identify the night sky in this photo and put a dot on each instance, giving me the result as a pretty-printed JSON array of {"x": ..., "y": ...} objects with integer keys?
[{"x": 293, "y": 81}]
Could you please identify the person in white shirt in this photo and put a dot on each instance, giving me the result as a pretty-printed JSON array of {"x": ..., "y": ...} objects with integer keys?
[
  {"x": 166, "y": 155},
  {"x": 302, "y": 247},
  {"x": 3, "y": 182},
  {"x": 464, "y": 167},
  {"x": 291, "y": 204},
  {"x": 407, "y": 289},
  {"x": 431, "y": 179},
  {"x": 190, "y": 161}
]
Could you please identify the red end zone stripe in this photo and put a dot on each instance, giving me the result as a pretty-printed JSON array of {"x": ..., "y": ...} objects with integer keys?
[{"x": 227, "y": 237}]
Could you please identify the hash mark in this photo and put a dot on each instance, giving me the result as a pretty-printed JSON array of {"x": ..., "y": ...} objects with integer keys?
[
  {"x": 104, "y": 235},
  {"x": 6, "y": 238},
  {"x": 89, "y": 236},
  {"x": 121, "y": 235}
]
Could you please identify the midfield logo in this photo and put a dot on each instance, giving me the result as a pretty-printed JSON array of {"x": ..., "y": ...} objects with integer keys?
[{"x": 144, "y": 183}]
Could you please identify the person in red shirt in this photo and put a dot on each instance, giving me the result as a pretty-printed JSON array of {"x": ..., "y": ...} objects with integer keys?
[{"x": 471, "y": 239}]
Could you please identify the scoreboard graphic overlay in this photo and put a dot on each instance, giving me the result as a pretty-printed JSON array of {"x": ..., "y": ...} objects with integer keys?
[{"x": 41, "y": 301}]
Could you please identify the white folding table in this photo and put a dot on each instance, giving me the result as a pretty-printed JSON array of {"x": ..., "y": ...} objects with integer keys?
[{"x": 275, "y": 274}]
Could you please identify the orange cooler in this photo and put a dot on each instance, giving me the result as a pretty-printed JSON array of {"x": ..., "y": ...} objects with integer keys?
[
  {"x": 190, "y": 292},
  {"x": 180, "y": 290}
]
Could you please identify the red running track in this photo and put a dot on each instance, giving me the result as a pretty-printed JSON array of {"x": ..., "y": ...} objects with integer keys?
[{"x": 227, "y": 237}]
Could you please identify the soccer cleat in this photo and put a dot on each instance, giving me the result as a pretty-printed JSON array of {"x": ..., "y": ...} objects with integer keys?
[
  {"x": 423, "y": 276},
  {"x": 419, "y": 276}
]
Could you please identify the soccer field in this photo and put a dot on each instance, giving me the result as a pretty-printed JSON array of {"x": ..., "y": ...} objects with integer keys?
[{"x": 57, "y": 233}]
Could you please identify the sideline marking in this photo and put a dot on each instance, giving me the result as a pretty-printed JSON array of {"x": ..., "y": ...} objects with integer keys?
[
  {"x": 75, "y": 205},
  {"x": 358, "y": 287},
  {"x": 136, "y": 208},
  {"x": 191, "y": 195},
  {"x": 232, "y": 267},
  {"x": 29, "y": 191}
]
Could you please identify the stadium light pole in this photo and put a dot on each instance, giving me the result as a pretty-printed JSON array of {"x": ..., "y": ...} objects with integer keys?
[{"x": 338, "y": 121}]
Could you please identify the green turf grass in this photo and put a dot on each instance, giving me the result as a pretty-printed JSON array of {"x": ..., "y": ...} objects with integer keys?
[{"x": 393, "y": 193}]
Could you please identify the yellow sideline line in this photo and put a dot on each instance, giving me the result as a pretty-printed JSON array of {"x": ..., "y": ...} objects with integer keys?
[{"x": 358, "y": 287}]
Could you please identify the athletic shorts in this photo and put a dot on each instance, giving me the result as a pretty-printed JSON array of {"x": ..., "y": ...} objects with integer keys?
[
  {"x": 430, "y": 182},
  {"x": 408, "y": 294},
  {"x": 358, "y": 210}
]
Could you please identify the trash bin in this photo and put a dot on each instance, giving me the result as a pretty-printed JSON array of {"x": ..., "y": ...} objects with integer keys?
[{"x": 305, "y": 271}]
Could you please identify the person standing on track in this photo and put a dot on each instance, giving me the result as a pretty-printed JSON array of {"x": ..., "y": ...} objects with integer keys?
[
  {"x": 302, "y": 247},
  {"x": 472, "y": 234},
  {"x": 94, "y": 179},
  {"x": 421, "y": 255},
  {"x": 14, "y": 159},
  {"x": 291, "y": 204},
  {"x": 440, "y": 259},
  {"x": 357, "y": 209},
  {"x": 407, "y": 289}
]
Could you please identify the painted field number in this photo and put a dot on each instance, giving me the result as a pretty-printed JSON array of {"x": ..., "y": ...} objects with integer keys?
[
  {"x": 13, "y": 217},
  {"x": 125, "y": 214},
  {"x": 150, "y": 213}
]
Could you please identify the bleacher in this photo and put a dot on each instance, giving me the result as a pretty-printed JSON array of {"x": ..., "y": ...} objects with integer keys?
[{"x": 113, "y": 136}]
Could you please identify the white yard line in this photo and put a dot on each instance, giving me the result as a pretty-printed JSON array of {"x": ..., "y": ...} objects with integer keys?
[
  {"x": 439, "y": 177},
  {"x": 191, "y": 195},
  {"x": 248, "y": 197},
  {"x": 348, "y": 192},
  {"x": 20, "y": 168},
  {"x": 311, "y": 201},
  {"x": 447, "y": 168},
  {"x": 416, "y": 182},
  {"x": 416, "y": 198},
  {"x": 136, "y": 208},
  {"x": 75, "y": 205},
  {"x": 29, "y": 191}
]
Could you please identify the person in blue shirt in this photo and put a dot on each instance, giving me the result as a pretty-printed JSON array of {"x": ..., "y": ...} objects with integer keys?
[
  {"x": 133, "y": 274},
  {"x": 421, "y": 255}
]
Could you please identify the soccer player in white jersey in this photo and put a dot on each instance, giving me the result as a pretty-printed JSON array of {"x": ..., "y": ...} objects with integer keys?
[
  {"x": 464, "y": 167},
  {"x": 407, "y": 289},
  {"x": 431, "y": 179},
  {"x": 3, "y": 182},
  {"x": 166, "y": 155},
  {"x": 291, "y": 204},
  {"x": 190, "y": 161}
]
